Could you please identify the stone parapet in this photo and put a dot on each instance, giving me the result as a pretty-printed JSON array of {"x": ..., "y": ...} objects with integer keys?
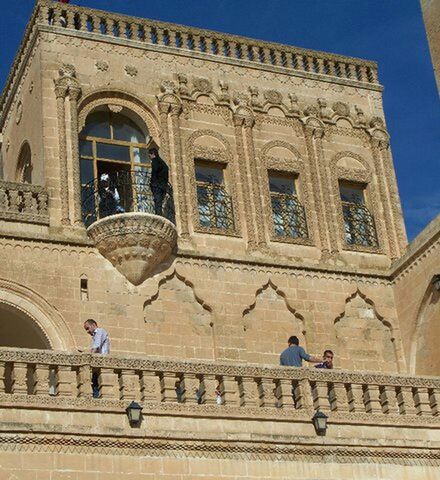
[
  {"x": 23, "y": 203},
  {"x": 204, "y": 388}
]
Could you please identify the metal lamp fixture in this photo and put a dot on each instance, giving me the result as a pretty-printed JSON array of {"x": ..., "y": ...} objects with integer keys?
[
  {"x": 134, "y": 413},
  {"x": 436, "y": 282},
  {"x": 320, "y": 423}
]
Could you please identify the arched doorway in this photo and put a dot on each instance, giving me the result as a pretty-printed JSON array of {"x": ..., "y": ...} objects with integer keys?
[{"x": 19, "y": 330}]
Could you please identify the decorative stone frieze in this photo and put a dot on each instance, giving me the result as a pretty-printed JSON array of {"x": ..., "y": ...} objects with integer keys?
[{"x": 135, "y": 243}]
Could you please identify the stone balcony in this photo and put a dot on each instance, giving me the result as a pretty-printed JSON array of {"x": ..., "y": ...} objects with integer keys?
[
  {"x": 264, "y": 412},
  {"x": 22, "y": 202}
]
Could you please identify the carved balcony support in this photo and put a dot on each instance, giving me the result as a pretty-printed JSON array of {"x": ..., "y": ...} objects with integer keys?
[
  {"x": 355, "y": 396},
  {"x": 209, "y": 386},
  {"x": 190, "y": 386},
  {"x": 434, "y": 400},
  {"x": 303, "y": 395},
  {"x": 2, "y": 378},
  {"x": 168, "y": 387},
  {"x": 66, "y": 381},
  {"x": 108, "y": 386},
  {"x": 338, "y": 398},
  {"x": 84, "y": 380},
  {"x": 405, "y": 400},
  {"x": 321, "y": 396},
  {"x": 388, "y": 399},
  {"x": 284, "y": 393},
  {"x": 266, "y": 387},
  {"x": 229, "y": 391},
  {"x": 248, "y": 392},
  {"x": 421, "y": 402}
]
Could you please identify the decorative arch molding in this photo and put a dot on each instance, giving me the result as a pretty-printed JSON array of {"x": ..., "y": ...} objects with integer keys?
[
  {"x": 268, "y": 322},
  {"x": 48, "y": 319},
  {"x": 123, "y": 98},
  {"x": 279, "y": 143},
  {"x": 215, "y": 153},
  {"x": 185, "y": 281},
  {"x": 24, "y": 161},
  {"x": 383, "y": 350},
  {"x": 361, "y": 176},
  {"x": 429, "y": 291}
]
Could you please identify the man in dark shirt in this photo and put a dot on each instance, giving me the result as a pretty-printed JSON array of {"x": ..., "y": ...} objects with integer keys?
[
  {"x": 159, "y": 179},
  {"x": 294, "y": 355},
  {"x": 327, "y": 360}
]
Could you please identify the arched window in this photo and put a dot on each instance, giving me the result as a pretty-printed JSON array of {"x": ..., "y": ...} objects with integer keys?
[
  {"x": 113, "y": 149},
  {"x": 24, "y": 165}
]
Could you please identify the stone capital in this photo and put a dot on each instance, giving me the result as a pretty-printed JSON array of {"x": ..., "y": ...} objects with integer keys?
[{"x": 61, "y": 90}]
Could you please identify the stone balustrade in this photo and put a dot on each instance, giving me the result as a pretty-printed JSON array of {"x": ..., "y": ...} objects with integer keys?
[
  {"x": 244, "y": 390},
  {"x": 211, "y": 44},
  {"x": 23, "y": 202}
]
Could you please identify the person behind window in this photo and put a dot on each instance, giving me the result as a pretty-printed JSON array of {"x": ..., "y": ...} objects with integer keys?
[
  {"x": 159, "y": 179},
  {"x": 109, "y": 199}
]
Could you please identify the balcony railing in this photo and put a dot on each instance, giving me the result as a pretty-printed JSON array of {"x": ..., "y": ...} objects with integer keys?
[
  {"x": 205, "y": 42},
  {"x": 288, "y": 216},
  {"x": 359, "y": 225},
  {"x": 238, "y": 389},
  {"x": 23, "y": 202},
  {"x": 126, "y": 191}
]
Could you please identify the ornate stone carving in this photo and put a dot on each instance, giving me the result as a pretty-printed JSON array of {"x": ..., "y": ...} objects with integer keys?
[
  {"x": 324, "y": 110},
  {"x": 115, "y": 108},
  {"x": 202, "y": 85},
  {"x": 224, "y": 88},
  {"x": 131, "y": 71},
  {"x": 135, "y": 243},
  {"x": 341, "y": 109},
  {"x": 183, "y": 84},
  {"x": 273, "y": 96},
  {"x": 254, "y": 93},
  {"x": 294, "y": 107},
  {"x": 101, "y": 65},
  {"x": 19, "y": 112}
]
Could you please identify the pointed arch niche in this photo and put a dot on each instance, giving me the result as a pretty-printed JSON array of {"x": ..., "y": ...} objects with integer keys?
[
  {"x": 425, "y": 359},
  {"x": 268, "y": 322},
  {"x": 178, "y": 324},
  {"x": 364, "y": 340}
]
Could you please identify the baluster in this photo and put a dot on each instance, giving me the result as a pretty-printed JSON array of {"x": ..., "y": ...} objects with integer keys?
[
  {"x": 277, "y": 58},
  {"x": 338, "y": 398},
  {"x": 196, "y": 42},
  {"x": 19, "y": 378},
  {"x": 248, "y": 392},
  {"x": 208, "y": 387},
  {"x": 303, "y": 394},
  {"x": 70, "y": 18},
  {"x": 434, "y": 400},
  {"x": 83, "y": 379},
  {"x": 213, "y": 46},
  {"x": 184, "y": 40},
  {"x": 83, "y": 22},
  {"x": 266, "y": 392},
  {"x": 284, "y": 393},
  {"x": 363, "y": 72},
  {"x": 40, "y": 379},
  {"x": 129, "y": 388},
  {"x": 230, "y": 391},
  {"x": 44, "y": 14},
  {"x": 373, "y": 75},
  {"x": 150, "y": 387},
  {"x": 108, "y": 386},
  {"x": 388, "y": 399},
  {"x": 372, "y": 399},
  {"x": 421, "y": 401},
  {"x": 255, "y": 53},
  {"x": 172, "y": 36},
  {"x": 168, "y": 387},
  {"x": 320, "y": 65},
  {"x": 355, "y": 396},
  {"x": 321, "y": 396},
  {"x": 4, "y": 200},
  {"x": 266, "y": 55},
  {"x": 2, "y": 377},
  {"x": 405, "y": 400},
  {"x": 226, "y": 48},
  {"x": 352, "y": 70},
  {"x": 332, "y": 68},
  {"x": 66, "y": 381},
  {"x": 191, "y": 388},
  {"x": 14, "y": 200},
  {"x": 310, "y": 63},
  {"x": 27, "y": 202},
  {"x": 43, "y": 204}
]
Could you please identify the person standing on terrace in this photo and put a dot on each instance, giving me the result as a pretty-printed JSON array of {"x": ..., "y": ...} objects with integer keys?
[{"x": 294, "y": 355}]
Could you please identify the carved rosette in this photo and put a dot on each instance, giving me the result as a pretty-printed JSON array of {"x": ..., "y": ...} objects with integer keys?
[{"x": 135, "y": 243}]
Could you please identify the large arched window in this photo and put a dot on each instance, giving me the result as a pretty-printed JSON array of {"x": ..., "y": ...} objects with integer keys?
[
  {"x": 112, "y": 147},
  {"x": 24, "y": 165}
]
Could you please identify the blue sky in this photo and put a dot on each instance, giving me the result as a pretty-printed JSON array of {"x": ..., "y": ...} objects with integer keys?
[{"x": 388, "y": 31}]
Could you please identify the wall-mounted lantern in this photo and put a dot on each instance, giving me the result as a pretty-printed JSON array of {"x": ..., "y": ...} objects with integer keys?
[
  {"x": 320, "y": 423},
  {"x": 134, "y": 413}
]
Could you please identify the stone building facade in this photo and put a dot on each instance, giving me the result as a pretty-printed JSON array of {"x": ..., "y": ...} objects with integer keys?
[
  {"x": 286, "y": 219},
  {"x": 431, "y": 16}
]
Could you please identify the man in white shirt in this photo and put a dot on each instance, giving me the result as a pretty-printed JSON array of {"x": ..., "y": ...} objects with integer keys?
[{"x": 100, "y": 344}]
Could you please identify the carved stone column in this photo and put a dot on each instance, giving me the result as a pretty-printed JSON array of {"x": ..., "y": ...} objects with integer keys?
[
  {"x": 244, "y": 175},
  {"x": 313, "y": 135},
  {"x": 175, "y": 110},
  {"x": 74, "y": 94},
  {"x": 255, "y": 183},
  {"x": 378, "y": 145},
  {"x": 60, "y": 93}
]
